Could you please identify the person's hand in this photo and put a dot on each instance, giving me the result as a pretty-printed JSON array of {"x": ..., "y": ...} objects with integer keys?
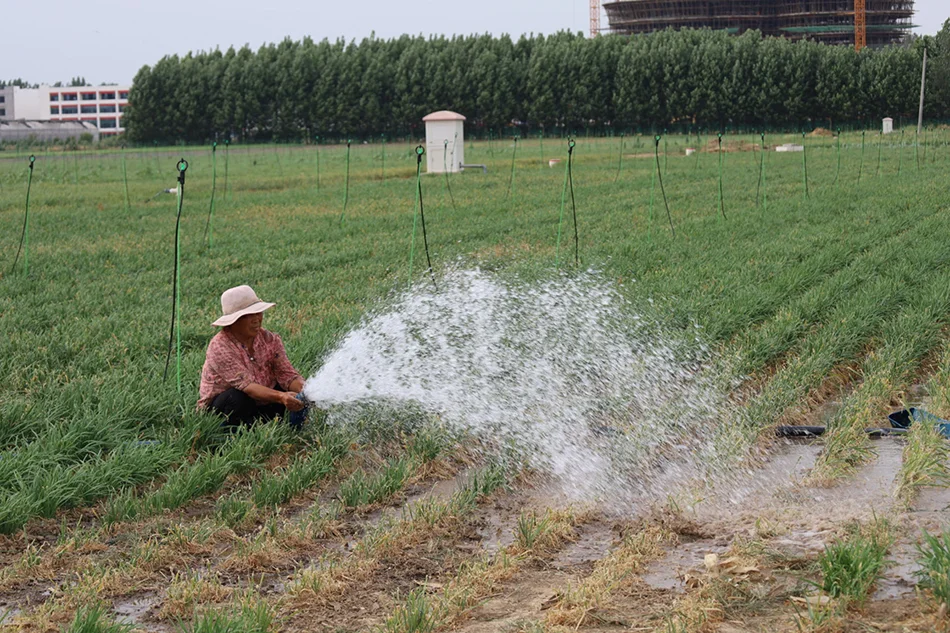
[{"x": 289, "y": 400}]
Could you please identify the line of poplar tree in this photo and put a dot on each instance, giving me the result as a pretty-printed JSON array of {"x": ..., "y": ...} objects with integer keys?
[{"x": 296, "y": 91}]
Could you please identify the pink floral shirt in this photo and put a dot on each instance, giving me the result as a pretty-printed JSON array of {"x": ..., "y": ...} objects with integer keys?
[{"x": 228, "y": 364}]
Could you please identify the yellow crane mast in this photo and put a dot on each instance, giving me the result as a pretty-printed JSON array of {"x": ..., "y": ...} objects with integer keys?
[{"x": 860, "y": 25}]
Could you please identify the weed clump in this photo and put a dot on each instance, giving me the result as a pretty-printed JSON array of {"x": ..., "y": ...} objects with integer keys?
[
  {"x": 934, "y": 573},
  {"x": 93, "y": 619},
  {"x": 849, "y": 568}
]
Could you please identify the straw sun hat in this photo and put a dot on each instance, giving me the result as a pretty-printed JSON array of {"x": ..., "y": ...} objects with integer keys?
[{"x": 239, "y": 301}]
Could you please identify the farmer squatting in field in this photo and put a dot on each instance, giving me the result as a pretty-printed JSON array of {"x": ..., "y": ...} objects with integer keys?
[{"x": 247, "y": 375}]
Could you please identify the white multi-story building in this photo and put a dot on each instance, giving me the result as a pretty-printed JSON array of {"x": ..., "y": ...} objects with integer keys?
[{"x": 102, "y": 106}]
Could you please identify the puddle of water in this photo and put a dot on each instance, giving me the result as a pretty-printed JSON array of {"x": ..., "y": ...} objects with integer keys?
[
  {"x": 593, "y": 545},
  {"x": 933, "y": 500},
  {"x": 899, "y": 578},
  {"x": 440, "y": 491},
  {"x": 869, "y": 492},
  {"x": 668, "y": 572},
  {"x": 8, "y": 614},
  {"x": 784, "y": 472},
  {"x": 803, "y": 543},
  {"x": 497, "y": 532},
  {"x": 131, "y": 612},
  {"x": 501, "y": 519},
  {"x": 777, "y": 484},
  {"x": 875, "y": 481}
]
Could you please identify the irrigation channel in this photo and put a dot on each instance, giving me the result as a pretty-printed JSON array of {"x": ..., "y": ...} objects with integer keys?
[{"x": 521, "y": 439}]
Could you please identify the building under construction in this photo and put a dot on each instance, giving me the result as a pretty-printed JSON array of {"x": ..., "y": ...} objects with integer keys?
[{"x": 826, "y": 21}]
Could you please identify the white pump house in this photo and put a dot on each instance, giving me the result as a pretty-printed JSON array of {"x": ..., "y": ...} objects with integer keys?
[{"x": 445, "y": 142}]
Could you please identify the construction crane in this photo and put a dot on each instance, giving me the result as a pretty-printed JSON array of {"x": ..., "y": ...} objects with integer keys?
[
  {"x": 860, "y": 25},
  {"x": 595, "y": 17}
]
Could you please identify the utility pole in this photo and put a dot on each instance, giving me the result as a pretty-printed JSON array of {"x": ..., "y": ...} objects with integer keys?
[{"x": 923, "y": 83}]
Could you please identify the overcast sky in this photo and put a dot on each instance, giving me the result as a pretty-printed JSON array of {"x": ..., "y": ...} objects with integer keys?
[{"x": 109, "y": 40}]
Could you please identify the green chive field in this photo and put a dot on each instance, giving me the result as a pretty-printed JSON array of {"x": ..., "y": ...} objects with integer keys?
[{"x": 819, "y": 282}]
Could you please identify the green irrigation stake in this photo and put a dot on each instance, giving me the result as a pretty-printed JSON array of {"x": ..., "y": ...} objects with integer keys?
[
  {"x": 652, "y": 195},
  {"x": 861, "y": 165},
  {"x": 880, "y": 150},
  {"x": 383, "y": 168},
  {"x": 541, "y": 141},
  {"x": 900, "y": 156},
  {"x": 280, "y": 168},
  {"x": 666, "y": 153},
  {"x": 25, "y": 235},
  {"x": 175, "y": 333},
  {"x": 804, "y": 169},
  {"x": 620, "y": 159},
  {"x": 76, "y": 168},
  {"x": 765, "y": 189},
  {"x": 758, "y": 184},
  {"x": 838, "y": 168},
  {"x": 125, "y": 178},
  {"x": 722, "y": 206},
  {"x": 659, "y": 177},
  {"x": 420, "y": 151},
  {"x": 227, "y": 144},
  {"x": 214, "y": 178},
  {"x": 917, "y": 149},
  {"x": 491, "y": 149},
  {"x": 699, "y": 147},
  {"x": 445, "y": 174},
  {"x": 317, "y": 146},
  {"x": 511, "y": 178},
  {"x": 346, "y": 183},
  {"x": 560, "y": 222}
]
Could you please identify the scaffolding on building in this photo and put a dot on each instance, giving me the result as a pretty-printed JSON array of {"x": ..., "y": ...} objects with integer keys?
[{"x": 826, "y": 21}]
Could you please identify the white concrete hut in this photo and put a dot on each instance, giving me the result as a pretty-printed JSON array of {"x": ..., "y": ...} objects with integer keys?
[{"x": 442, "y": 156}]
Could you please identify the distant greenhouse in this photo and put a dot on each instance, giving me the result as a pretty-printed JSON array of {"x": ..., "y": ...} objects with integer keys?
[
  {"x": 46, "y": 131},
  {"x": 825, "y": 21}
]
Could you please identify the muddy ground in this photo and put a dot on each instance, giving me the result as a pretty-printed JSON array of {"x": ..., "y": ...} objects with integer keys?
[{"x": 737, "y": 560}]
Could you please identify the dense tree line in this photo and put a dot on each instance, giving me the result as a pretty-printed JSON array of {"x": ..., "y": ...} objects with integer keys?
[
  {"x": 938, "y": 72},
  {"x": 18, "y": 82},
  {"x": 298, "y": 90}
]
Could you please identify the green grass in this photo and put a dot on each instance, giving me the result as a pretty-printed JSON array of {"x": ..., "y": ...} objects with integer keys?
[
  {"x": 926, "y": 460},
  {"x": 850, "y": 567},
  {"x": 94, "y": 619},
  {"x": 360, "y": 489},
  {"x": 242, "y": 452},
  {"x": 530, "y": 528},
  {"x": 251, "y": 616},
  {"x": 934, "y": 559},
  {"x": 273, "y": 489},
  {"x": 784, "y": 296},
  {"x": 414, "y": 615}
]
